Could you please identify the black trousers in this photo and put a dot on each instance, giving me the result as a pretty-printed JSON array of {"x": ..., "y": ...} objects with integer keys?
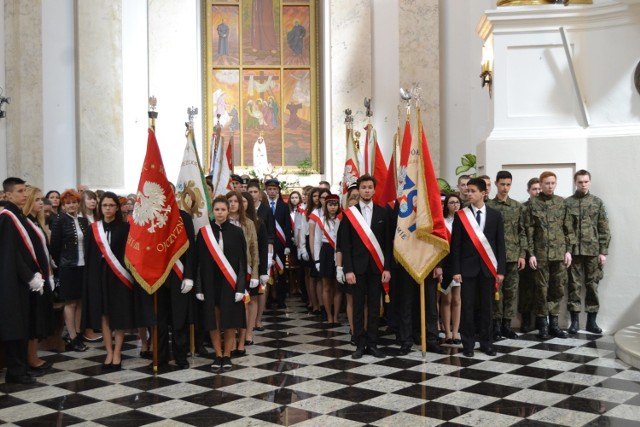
[
  {"x": 407, "y": 300},
  {"x": 367, "y": 286},
  {"x": 180, "y": 337},
  {"x": 480, "y": 289},
  {"x": 16, "y": 357}
]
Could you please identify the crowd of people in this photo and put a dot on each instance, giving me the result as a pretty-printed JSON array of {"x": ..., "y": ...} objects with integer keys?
[{"x": 333, "y": 251}]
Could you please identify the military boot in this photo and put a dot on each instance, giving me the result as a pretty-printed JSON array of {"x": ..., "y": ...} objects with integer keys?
[
  {"x": 575, "y": 323},
  {"x": 525, "y": 326},
  {"x": 592, "y": 326},
  {"x": 554, "y": 328},
  {"x": 507, "y": 332},
  {"x": 497, "y": 335},
  {"x": 543, "y": 328}
]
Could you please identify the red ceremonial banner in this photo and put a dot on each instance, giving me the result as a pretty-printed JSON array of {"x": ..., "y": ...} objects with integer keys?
[{"x": 157, "y": 237}]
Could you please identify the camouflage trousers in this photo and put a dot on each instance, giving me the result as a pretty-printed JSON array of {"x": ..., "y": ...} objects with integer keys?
[
  {"x": 584, "y": 272},
  {"x": 549, "y": 281},
  {"x": 525, "y": 290},
  {"x": 505, "y": 308}
]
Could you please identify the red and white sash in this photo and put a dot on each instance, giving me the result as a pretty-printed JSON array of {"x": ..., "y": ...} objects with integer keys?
[
  {"x": 219, "y": 256},
  {"x": 280, "y": 233},
  {"x": 24, "y": 235},
  {"x": 43, "y": 241},
  {"x": 479, "y": 240},
  {"x": 113, "y": 262},
  {"x": 178, "y": 268},
  {"x": 277, "y": 263},
  {"x": 330, "y": 239},
  {"x": 366, "y": 235}
]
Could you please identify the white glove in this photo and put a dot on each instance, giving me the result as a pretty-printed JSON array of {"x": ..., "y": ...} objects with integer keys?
[
  {"x": 304, "y": 255},
  {"x": 340, "y": 274},
  {"x": 36, "y": 283},
  {"x": 254, "y": 283},
  {"x": 200, "y": 297},
  {"x": 239, "y": 296},
  {"x": 52, "y": 283},
  {"x": 287, "y": 251},
  {"x": 264, "y": 279},
  {"x": 187, "y": 285}
]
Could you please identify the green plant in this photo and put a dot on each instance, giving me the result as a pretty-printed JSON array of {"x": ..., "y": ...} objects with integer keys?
[
  {"x": 305, "y": 167},
  {"x": 467, "y": 162}
]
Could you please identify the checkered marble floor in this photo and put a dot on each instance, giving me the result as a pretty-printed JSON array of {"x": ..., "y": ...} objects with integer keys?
[{"x": 301, "y": 373}]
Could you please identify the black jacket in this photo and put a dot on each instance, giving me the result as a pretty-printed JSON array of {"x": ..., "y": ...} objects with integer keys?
[
  {"x": 64, "y": 240},
  {"x": 356, "y": 257}
]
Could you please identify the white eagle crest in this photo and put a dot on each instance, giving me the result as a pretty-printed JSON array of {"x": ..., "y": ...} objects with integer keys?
[{"x": 150, "y": 208}]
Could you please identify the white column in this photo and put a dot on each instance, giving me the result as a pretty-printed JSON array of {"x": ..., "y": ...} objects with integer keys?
[
  {"x": 386, "y": 72},
  {"x": 58, "y": 95},
  {"x": 3, "y": 122}
]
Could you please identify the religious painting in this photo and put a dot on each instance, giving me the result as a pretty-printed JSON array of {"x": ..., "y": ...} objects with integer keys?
[
  {"x": 225, "y": 36},
  {"x": 226, "y": 105},
  {"x": 261, "y": 62},
  {"x": 261, "y": 32},
  {"x": 262, "y": 117},
  {"x": 297, "y": 116},
  {"x": 295, "y": 23}
]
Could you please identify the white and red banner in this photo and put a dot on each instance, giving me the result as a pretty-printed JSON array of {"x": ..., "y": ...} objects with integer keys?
[
  {"x": 219, "y": 257},
  {"x": 366, "y": 235},
  {"x": 191, "y": 188},
  {"x": 108, "y": 255}
]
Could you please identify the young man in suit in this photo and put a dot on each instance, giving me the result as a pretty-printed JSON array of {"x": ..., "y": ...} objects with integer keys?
[
  {"x": 366, "y": 263},
  {"x": 478, "y": 258},
  {"x": 281, "y": 232}
]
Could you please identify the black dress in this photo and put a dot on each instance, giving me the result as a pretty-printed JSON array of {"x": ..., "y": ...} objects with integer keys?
[
  {"x": 41, "y": 310},
  {"x": 217, "y": 290},
  {"x": 104, "y": 293}
]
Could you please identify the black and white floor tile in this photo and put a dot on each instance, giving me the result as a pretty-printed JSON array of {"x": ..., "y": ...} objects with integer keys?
[{"x": 301, "y": 373}]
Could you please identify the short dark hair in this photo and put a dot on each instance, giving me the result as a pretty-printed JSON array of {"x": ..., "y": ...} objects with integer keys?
[
  {"x": 366, "y": 178},
  {"x": 478, "y": 182},
  {"x": 255, "y": 184},
  {"x": 327, "y": 183},
  {"x": 483, "y": 177},
  {"x": 581, "y": 172},
  {"x": 463, "y": 177},
  {"x": 534, "y": 180},
  {"x": 220, "y": 199},
  {"x": 9, "y": 183},
  {"x": 503, "y": 175}
]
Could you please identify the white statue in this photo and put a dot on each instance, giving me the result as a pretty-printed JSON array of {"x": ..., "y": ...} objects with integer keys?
[{"x": 260, "y": 162}]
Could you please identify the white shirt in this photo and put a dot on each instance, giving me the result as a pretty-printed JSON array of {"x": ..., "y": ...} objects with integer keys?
[
  {"x": 483, "y": 215},
  {"x": 367, "y": 211}
]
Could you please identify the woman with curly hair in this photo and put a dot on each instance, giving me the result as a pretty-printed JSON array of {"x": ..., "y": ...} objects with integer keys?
[{"x": 67, "y": 248}]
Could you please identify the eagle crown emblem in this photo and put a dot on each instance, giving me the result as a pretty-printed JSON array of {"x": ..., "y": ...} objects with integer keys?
[{"x": 150, "y": 207}]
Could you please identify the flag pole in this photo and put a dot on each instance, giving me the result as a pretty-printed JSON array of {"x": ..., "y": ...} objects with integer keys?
[
  {"x": 423, "y": 308},
  {"x": 153, "y": 115},
  {"x": 191, "y": 113}
]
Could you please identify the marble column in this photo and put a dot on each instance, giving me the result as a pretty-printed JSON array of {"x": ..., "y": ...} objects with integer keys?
[
  {"x": 23, "y": 65},
  {"x": 351, "y": 74},
  {"x": 420, "y": 63},
  {"x": 99, "y": 107}
]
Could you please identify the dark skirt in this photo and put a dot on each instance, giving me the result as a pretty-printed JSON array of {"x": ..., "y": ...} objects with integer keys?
[
  {"x": 70, "y": 283},
  {"x": 327, "y": 261},
  {"x": 41, "y": 313}
]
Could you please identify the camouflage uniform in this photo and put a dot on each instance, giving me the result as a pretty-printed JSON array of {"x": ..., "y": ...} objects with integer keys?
[
  {"x": 549, "y": 236},
  {"x": 515, "y": 239},
  {"x": 591, "y": 228},
  {"x": 526, "y": 285}
]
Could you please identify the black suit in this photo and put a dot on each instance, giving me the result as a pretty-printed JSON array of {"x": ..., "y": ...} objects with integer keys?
[
  {"x": 358, "y": 259},
  {"x": 477, "y": 280},
  {"x": 281, "y": 217}
]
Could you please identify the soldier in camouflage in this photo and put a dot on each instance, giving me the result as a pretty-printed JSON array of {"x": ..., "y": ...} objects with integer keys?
[
  {"x": 526, "y": 285},
  {"x": 591, "y": 229},
  {"x": 550, "y": 239},
  {"x": 515, "y": 239}
]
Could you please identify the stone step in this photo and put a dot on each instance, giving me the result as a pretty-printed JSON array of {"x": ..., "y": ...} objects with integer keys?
[{"x": 628, "y": 345}]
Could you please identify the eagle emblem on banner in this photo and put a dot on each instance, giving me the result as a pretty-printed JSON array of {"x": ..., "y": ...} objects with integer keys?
[{"x": 150, "y": 207}]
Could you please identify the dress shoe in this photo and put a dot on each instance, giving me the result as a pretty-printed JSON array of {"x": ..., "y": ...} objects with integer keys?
[
  {"x": 76, "y": 344},
  {"x": 259, "y": 328},
  {"x": 182, "y": 364},
  {"x": 435, "y": 348},
  {"x": 44, "y": 367},
  {"x": 405, "y": 349},
  {"x": 489, "y": 351},
  {"x": 375, "y": 352},
  {"x": 19, "y": 379},
  {"x": 250, "y": 342},
  {"x": 358, "y": 353},
  {"x": 238, "y": 353},
  {"x": 116, "y": 366},
  {"x": 36, "y": 373},
  {"x": 468, "y": 353}
]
